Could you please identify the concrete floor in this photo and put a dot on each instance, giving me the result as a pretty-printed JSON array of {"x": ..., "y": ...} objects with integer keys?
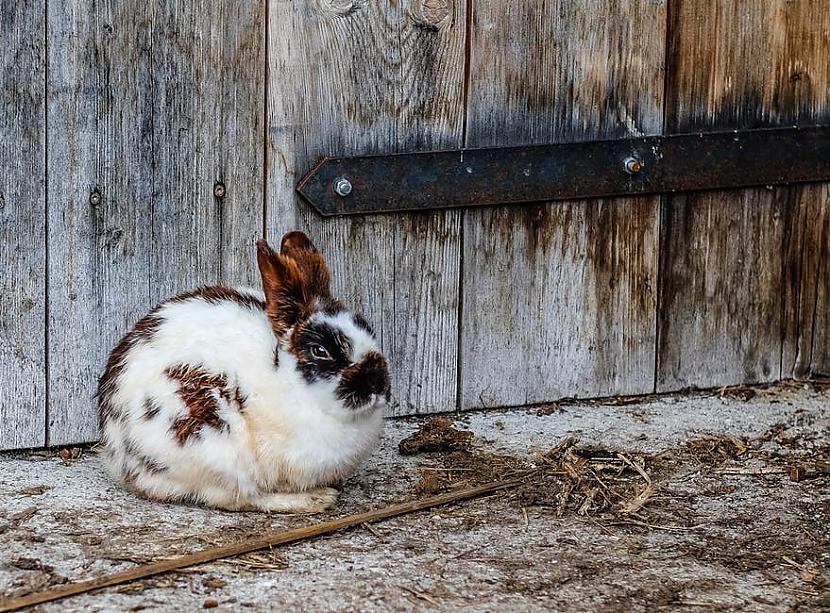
[{"x": 725, "y": 541}]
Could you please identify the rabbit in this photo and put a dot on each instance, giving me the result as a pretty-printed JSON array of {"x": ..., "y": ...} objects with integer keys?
[{"x": 243, "y": 400}]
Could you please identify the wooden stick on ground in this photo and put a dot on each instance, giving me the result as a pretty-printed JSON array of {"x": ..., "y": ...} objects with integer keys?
[{"x": 276, "y": 538}]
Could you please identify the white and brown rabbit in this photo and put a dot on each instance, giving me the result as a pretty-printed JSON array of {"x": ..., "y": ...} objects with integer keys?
[{"x": 243, "y": 401}]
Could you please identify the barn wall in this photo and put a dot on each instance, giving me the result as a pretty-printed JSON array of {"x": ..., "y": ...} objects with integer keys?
[
  {"x": 22, "y": 227},
  {"x": 150, "y": 107},
  {"x": 559, "y": 300},
  {"x": 740, "y": 269},
  {"x": 147, "y": 145}
]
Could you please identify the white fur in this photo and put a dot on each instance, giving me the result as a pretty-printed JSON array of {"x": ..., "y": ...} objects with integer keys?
[{"x": 291, "y": 440}]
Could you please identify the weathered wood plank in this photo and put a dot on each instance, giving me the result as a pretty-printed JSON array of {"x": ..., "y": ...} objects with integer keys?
[
  {"x": 806, "y": 348},
  {"x": 731, "y": 261},
  {"x": 149, "y": 105},
  {"x": 351, "y": 77},
  {"x": 207, "y": 121},
  {"x": 100, "y": 100},
  {"x": 22, "y": 226},
  {"x": 820, "y": 328},
  {"x": 559, "y": 300},
  {"x": 722, "y": 268}
]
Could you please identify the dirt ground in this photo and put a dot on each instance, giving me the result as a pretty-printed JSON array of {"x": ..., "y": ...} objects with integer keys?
[{"x": 714, "y": 501}]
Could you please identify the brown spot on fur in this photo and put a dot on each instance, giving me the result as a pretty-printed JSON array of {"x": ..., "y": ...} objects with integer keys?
[
  {"x": 151, "y": 409},
  {"x": 201, "y": 392},
  {"x": 142, "y": 332},
  {"x": 240, "y": 399},
  {"x": 135, "y": 462},
  {"x": 216, "y": 293}
]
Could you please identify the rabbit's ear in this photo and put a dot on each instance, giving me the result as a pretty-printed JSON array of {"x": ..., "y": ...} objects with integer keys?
[
  {"x": 287, "y": 296},
  {"x": 298, "y": 247}
]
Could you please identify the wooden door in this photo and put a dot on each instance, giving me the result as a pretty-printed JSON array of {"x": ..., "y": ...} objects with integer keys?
[{"x": 147, "y": 145}]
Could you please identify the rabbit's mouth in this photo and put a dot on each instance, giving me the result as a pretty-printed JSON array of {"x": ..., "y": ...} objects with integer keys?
[
  {"x": 376, "y": 401},
  {"x": 371, "y": 404}
]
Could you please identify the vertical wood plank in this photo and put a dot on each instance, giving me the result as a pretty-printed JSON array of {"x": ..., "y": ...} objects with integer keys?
[
  {"x": 806, "y": 350},
  {"x": 100, "y": 101},
  {"x": 22, "y": 226},
  {"x": 353, "y": 77},
  {"x": 731, "y": 300},
  {"x": 208, "y": 91},
  {"x": 819, "y": 327},
  {"x": 149, "y": 105},
  {"x": 559, "y": 300}
]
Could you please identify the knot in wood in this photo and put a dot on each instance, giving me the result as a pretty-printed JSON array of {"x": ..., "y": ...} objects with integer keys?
[
  {"x": 338, "y": 8},
  {"x": 432, "y": 13}
]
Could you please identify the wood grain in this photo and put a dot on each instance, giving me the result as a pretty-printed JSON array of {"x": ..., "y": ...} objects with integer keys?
[
  {"x": 98, "y": 267},
  {"x": 351, "y": 77},
  {"x": 22, "y": 226},
  {"x": 207, "y": 127},
  {"x": 731, "y": 262},
  {"x": 149, "y": 106},
  {"x": 806, "y": 350},
  {"x": 559, "y": 299},
  {"x": 820, "y": 328}
]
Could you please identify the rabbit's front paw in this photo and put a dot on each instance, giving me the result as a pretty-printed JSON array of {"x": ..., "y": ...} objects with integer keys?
[{"x": 312, "y": 501}]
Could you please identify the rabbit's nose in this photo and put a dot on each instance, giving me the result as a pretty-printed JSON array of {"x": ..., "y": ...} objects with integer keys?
[
  {"x": 376, "y": 374},
  {"x": 378, "y": 381}
]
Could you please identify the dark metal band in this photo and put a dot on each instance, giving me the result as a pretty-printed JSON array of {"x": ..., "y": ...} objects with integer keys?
[{"x": 510, "y": 175}]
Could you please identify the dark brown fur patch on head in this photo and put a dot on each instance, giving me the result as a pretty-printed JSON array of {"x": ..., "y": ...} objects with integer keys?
[
  {"x": 296, "y": 282},
  {"x": 142, "y": 332},
  {"x": 311, "y": 333},
  {"x": 360, "y": 381},
  {"x": 200, "y": 391}
]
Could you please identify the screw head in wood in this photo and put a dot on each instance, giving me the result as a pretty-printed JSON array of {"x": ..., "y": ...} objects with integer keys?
[
  {"x": 219, "y": 189},
  {"x": 632, "y": 165},
  {"x": 342, "y": 186},
  {"x": 95, "y": 198}
]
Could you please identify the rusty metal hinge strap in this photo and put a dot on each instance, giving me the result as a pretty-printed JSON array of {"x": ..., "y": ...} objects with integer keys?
[{"x": 539, "y": 173}]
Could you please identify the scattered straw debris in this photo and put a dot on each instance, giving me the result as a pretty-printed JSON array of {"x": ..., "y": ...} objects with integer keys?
[
  {"x": 715, "y": 450},
  {"x": 437, "y": 434},
  {"x": 23, "y": 515},
  {"x": 617, "y": 486},
  {"x": 430, "y": 482}
]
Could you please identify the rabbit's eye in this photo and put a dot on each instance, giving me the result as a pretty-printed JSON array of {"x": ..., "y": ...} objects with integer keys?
[{"x": 319, "y": 352}]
